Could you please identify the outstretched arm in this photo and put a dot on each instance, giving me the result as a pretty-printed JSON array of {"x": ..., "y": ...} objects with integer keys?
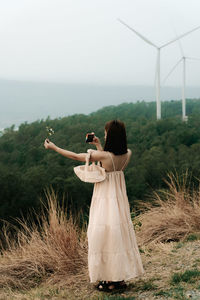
[{"x": 95, "y": 156}]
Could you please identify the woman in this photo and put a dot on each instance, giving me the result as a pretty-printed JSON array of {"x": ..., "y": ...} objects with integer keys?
[{"x": 113, "y": 254}]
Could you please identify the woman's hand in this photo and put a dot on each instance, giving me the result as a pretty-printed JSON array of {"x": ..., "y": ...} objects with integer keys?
[
  {"x": 49, "y": 145},
  {"x": 96, "y": 142}
]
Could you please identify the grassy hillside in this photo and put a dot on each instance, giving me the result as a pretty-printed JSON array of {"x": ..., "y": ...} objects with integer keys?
[
  {"x": 172, "y": 273},
  {"x": 49, "y": 261}
]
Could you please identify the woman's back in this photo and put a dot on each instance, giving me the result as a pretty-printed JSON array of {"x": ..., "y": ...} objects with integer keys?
[{"x": 116, "y": 162}]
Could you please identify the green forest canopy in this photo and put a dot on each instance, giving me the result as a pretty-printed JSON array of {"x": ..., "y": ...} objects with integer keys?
[{"x": 158, "y": 147}]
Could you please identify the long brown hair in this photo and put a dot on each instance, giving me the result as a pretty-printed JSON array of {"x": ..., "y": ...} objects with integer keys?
[{"x": 116, "y": 141}]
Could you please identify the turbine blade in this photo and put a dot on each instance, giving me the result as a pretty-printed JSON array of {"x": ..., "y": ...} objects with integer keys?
[
  {"x": 192, "y": 58},
  {"x": 181, "y": 48},
  {"x": 180, "y": 37},
  {"x": 174, "y": 67},
  {"x": 179, "y": 43},
  {"x": 138, "y": 34}
]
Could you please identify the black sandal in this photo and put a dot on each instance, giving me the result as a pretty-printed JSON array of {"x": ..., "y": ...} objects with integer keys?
[
  {"x": 101, "y": 286},
  {"x": 122, "y": 284},
  {"x": 118, "y": 285},
  {"x": 105, "y": 286}
]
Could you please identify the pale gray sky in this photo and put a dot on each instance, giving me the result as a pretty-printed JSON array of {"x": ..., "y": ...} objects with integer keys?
[{"x": 81, "y": 41}]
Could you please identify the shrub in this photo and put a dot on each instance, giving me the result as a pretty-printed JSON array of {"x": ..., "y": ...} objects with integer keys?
[
  {"x": 51, "y": 249},
  {"x": 174, "y": 214}
]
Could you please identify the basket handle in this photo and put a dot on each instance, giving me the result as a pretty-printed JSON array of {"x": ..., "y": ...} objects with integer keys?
[
  {"x": 89, "y": 151},
  {"x": 87, "y": 159}
]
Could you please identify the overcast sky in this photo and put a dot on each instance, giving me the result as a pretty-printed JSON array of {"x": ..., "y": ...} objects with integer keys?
[{"x": 81, "y": 41}]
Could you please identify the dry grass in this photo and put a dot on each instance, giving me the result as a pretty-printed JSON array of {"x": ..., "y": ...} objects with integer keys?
[
  {"x": 174, "y": 214},
  {"x": 53, "y": 253},
  {"x": 54, "y": 250}
]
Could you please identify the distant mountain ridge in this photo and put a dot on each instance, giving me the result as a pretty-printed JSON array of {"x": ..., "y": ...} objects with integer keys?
[{"x": 22, "y": 101}]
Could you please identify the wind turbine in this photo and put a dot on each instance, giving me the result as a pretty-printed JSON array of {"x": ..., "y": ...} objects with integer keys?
[
  {"x": 183, "y": 60},
  {"x": 157, "y": 76}
]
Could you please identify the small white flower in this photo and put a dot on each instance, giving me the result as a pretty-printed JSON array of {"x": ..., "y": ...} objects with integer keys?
[{"x": 50, "y": 130}]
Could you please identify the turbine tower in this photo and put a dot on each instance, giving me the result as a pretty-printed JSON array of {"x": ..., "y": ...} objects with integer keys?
[
  {"x": 183, "y": 60},
  {"x": 157, "y": 77}
]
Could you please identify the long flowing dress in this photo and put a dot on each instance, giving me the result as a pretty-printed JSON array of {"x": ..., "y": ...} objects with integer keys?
[{"x": 113, "y": 253}]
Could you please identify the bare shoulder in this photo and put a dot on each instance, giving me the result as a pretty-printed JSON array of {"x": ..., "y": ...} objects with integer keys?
[{"x": 129, "y": 151}]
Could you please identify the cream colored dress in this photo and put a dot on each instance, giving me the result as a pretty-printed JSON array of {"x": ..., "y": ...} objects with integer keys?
[{"x": 113, "y": 253}]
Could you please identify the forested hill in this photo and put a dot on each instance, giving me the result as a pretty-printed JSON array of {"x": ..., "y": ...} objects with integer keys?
[{"x": 158, "y": 147}]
